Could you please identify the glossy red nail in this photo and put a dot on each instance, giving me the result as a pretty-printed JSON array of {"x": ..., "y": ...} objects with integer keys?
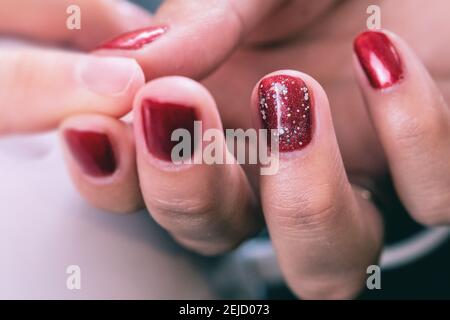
[
  {"x": 160, "y": 120},
  {"x": 134, "y": 40},
  {"x": 379, "y": 59},
  {"x": 93, "y": 151},
  {"x": 285, "y": 104}
]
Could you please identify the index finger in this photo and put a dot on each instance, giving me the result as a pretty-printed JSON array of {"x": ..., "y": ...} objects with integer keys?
[{"x": 194, "y": 37}]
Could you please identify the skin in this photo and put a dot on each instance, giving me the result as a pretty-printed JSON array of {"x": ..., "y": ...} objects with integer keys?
[
  {"x": 324, "y": 51},
  {"x": 326, "y": 234}
]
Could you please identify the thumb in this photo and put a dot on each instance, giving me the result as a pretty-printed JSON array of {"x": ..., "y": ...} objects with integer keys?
[
  {"x": 193, "y": 36},
  {"x": 42, "y": 87}
]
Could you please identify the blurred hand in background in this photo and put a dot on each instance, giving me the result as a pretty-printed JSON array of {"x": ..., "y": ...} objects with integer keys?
[{"x": 44, "y": 75}]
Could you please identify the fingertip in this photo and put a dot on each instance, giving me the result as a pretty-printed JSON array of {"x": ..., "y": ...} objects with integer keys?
[
  {"x": 112, "y": 81},
  {"x": 165, "y": 105},
  {"x": 90, "y": 144},
  {"x": 101, "y": 160}
]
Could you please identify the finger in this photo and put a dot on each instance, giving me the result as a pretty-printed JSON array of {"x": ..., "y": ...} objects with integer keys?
[
  {"x": 52, "y": 20},
  {"x": 41, "y": 87},
  {"x": 100, "y": 155},
  {"x": 412, "y": 121},
  {"x": 208, "y": 207},
  {"x": 187, "y": 32},
  {"x": 325, "y": 236}
]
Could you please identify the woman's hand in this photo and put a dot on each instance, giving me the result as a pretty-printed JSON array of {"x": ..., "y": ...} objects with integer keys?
[{"x": 325, "y": 231}]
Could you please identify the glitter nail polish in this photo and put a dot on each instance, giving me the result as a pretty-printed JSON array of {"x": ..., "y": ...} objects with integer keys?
[{"x": 285, "y": 104}]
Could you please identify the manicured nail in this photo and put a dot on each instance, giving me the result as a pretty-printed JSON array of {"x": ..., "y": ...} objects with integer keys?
[
  {"x": 107, "y": 75},
  {"x": 134, "y": 40},
  {"x": 285, "y": 105},
  {"x": 160, "y": 120},
  {"x": 93, "y": 151},
  {"x": 379, "y": 59}
]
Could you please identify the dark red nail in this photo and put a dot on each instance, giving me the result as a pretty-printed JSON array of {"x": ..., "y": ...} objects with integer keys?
[
  {"x": 93, "y": 151},
  {"x": 285, "y": 105},
  {"x": 134, "y": 40},
  {"x": 160, "y": 120},
  {"x": 379, "y": 59}
]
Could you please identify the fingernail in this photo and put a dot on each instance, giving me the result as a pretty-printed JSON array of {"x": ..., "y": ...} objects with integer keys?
[
  {"x": 107, "y": 75},
  {"x": 285, "y": 105},
  {"x": 93, "y": 152},
  {"x": 134, "y": 40},
  {"x": 160, "y": 120},
  {"x": 379, "y": 59}
]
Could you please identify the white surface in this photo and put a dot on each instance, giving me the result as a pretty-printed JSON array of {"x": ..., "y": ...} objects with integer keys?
[{"x": 45, "y": 227}]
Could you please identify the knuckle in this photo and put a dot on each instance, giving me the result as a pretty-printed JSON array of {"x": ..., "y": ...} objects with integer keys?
[
  {"x": 313, "y": 209},
  {"x": 182, "y": 208},
  {"x": 196, "y": 224},
  {"x": 411, "y": 129}
]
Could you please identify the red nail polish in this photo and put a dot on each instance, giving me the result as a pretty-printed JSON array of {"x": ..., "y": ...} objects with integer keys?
[
  {"x": 134, "y": 40},
  {"x": 379, "y": 59},
  {"x": 160, "y": 120},
  {"x": 93, "y": 151},
  {"x": 285, "y": 104}
]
